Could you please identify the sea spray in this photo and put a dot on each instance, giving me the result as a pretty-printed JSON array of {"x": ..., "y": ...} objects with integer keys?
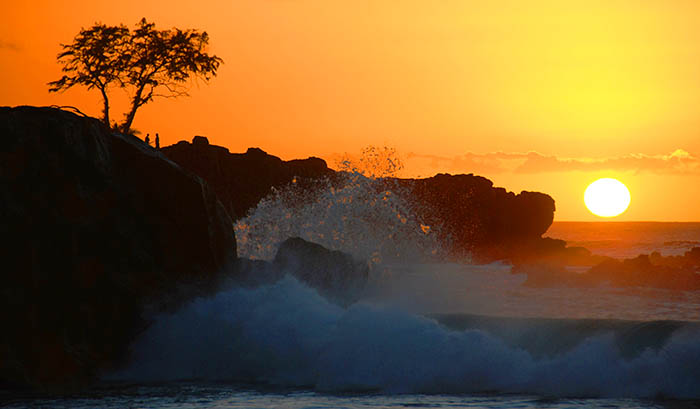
[{"x": 360, "y": 212}]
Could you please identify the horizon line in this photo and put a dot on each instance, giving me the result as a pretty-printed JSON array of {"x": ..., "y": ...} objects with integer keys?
[{"x": 626, "y": 221}]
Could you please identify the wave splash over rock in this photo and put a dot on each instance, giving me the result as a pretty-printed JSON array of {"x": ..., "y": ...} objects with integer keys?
[
  {"x": 282, "y": 332},
  {"x": 359, "y": 212}
]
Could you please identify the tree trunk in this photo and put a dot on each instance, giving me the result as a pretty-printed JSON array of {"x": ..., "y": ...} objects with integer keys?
[
  {"x": 105, "y": 109},
  {"x": 135, "y": 104}
]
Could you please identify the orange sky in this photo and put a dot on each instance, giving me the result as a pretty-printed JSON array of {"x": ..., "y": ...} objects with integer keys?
[{"x": 536, "y": 95}]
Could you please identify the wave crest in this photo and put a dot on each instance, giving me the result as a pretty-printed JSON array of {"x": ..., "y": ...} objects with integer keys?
[{"x": 286, "y": 334}]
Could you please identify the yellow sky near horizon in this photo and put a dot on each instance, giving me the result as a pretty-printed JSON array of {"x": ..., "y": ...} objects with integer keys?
[{"x": 536, "y": 95}]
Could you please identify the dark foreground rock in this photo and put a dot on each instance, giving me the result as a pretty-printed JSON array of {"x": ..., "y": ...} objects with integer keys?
[
  {"x": 336, "y": 275},
  {"x": 96, "y": 227},
  {"x": 240, "y": 180}
]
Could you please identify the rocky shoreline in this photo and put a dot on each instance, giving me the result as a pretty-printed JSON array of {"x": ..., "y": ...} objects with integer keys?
[
  {"x": 483, "y": 222},
  {"x": 102, "y": 230}
]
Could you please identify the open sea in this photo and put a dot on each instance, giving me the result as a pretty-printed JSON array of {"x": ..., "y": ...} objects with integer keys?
[
  {"x": 425, "y": 334},
  {"x": 629, "y": 239}
]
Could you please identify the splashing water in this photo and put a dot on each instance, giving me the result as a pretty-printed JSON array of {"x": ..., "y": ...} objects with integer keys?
[
  {"x": 363, "y": 213},
  {"x": 374, "y": 163},
  {"x": 363, "y": 216}
]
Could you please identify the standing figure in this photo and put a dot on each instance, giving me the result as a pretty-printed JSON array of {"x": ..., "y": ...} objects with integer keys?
[
  {"x": 148, "y": 139},
  {"x": 157, "y": 141}
]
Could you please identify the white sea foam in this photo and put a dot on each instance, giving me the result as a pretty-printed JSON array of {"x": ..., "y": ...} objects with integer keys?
[{"x": 286, "y": 334}]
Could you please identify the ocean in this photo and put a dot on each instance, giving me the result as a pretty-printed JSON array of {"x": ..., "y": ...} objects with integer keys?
[
  {"x": 629, "y": 239},
  {"x": 425, "y": 333}
]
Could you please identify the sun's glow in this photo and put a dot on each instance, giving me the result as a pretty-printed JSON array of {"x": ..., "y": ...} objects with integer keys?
[{"x": 607, "y": 197}]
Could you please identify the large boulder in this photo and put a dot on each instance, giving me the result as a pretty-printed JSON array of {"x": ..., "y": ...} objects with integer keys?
[
  {"x": 242, "y": 179},
  {"x": 478, "y": 219},
  {"x": 335, "y": 275},
  {"x": 96, "y": 228}
]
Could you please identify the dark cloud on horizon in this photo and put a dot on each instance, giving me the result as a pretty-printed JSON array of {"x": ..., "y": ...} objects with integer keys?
[{"x": 677, "y": 162}]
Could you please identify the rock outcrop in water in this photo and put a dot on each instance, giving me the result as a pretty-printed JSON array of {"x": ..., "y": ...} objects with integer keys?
[
  {"x": 96, "y": 227},
  {"x": 487, "y": 222},
  {"x": 336, "y": 275},
  {"x": 475, "y": 217},
  {"x": 656, "y": 271},
  {"x": 240, "y": 180},
  {"x": 651, "y": 271}
]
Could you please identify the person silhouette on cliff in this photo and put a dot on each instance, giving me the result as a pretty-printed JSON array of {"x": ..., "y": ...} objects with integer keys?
[
  {"x": 157, "y": 141},
  {"x": 148, "y": 139}
]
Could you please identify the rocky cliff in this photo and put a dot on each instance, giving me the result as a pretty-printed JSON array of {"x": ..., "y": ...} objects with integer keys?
[
  {"x": 475, "y": 218},
  {"x": 96, "y": 228},
  {"x": 240, "y": 180}
]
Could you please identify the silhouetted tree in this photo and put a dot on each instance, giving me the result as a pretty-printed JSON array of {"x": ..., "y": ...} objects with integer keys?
[
  {"x": 147, "y": 62},
  {"x": 162, "y": 61},
  {"x": 96, "y": 59}
]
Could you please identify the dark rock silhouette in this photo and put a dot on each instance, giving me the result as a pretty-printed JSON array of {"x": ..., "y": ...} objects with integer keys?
[
  {"x": 336, "y": 275},
  {"x": 477, "y": 218},
  {"x": 241, "y": 180},
  {"x": 556, "y": 252},
  {"x": 474, "y": 216},
  {"x": 646, "y": 271},
  {"x": 653, "y": 271},
  {"x": 97, "y": 227},
  {"x": 690, "y": 260}
]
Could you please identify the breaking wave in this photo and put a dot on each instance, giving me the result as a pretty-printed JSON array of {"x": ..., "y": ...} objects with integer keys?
[{"x": 286, "y": 334}]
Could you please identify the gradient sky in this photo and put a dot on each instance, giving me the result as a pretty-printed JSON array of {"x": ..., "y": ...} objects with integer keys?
[{"x": 536, "y": 95}]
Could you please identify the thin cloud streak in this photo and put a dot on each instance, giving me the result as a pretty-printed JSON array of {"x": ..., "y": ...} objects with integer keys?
[{"x": 677, "y": 162}]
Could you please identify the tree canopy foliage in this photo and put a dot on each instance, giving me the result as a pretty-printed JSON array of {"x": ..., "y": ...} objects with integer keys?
[{"x": 147, "y": 62}]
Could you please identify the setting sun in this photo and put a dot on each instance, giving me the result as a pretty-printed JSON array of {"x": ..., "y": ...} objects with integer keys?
[{"x": 607, "y": 197}]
